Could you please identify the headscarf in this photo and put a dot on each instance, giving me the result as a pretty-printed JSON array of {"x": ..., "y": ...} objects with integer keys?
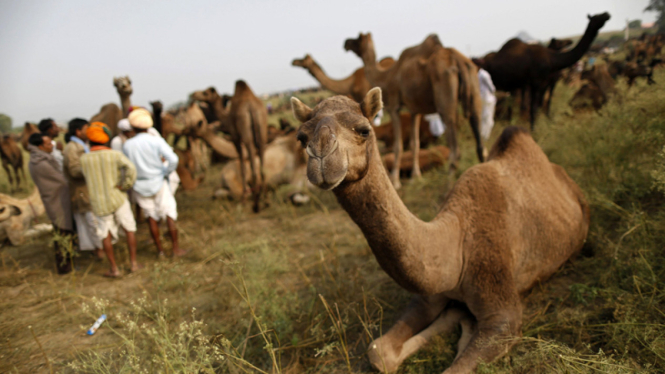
[
  {"x": 140, "y": 118},
  {"x": 98, "y": 133}
]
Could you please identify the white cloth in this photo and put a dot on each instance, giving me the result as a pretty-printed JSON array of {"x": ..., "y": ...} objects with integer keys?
[
  {"x": 174, "y": 178},
  {"x": 86, "y": 229},
  {"x": 377, "y": 118},
  {"x": 160, "y": 205},
  {"x": 57, "y": 154},
  {"x": 487, "y": 91},
  {"x": 436, "y": 125},
  {"x": 117, "y": 142},
  {"x": 487, "y": 88},
  {"x": 109, "y": 224}
]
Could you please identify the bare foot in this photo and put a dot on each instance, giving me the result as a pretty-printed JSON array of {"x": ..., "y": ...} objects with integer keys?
[
  {"x": 179, "y": 252},
  {"x": 136, "y": 267},
  {"x": 113, "y": 274},
  {"x": 161, "y": 255}
]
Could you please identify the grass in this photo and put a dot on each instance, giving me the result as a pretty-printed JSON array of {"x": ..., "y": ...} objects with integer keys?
[{"x": 297, "y": 290}]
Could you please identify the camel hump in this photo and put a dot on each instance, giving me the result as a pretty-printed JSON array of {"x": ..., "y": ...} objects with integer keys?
[
  {"x": 507, "y": 140},
  {"x": 242, "y": 86}
]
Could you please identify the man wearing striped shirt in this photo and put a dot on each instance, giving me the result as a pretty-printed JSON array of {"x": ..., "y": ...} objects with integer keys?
[{"x": 108, "y": 174}]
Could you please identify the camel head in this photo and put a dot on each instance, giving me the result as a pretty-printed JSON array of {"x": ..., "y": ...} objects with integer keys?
[
  {"x": 359, "y": 45},
  {"x": 209, "y": 95},
  {"x": 338, "y": 137},
  {"x": 597, "y": 21},
  {"x": 123, "y": 85},
  {"x": 305, "y": 62},
  {"x": 7, "y": 211},
  {"x": 157, "y": 106}
]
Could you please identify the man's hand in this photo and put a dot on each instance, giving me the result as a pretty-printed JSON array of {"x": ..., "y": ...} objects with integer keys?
[{"x": 59, "y": 145}]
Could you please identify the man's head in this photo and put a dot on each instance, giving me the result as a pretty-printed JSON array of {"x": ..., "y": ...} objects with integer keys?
[
  {"x": 41, "y": 141},
  {"x": 98, "y": 133},
  {"x": 78, "y": 127},
  {"x": 126, "y": 128},
  {"x": 140, "y": 120},
  {"x": 48, "y": 127}
]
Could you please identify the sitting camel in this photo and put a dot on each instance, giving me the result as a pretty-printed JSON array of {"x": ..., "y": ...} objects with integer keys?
[
  {"x": 355, "y": 85},
  {"x": 596, "y": 91},
  {"x": 505, "y": 226},
  {"x": 386, "y": 134},
  {"x": 427, "y": 78},
  {"x": 429, "y": 159},
  {"x": 164, "y": 123},
  {"x": 16, "y": 216},
  {"x": 247, "y": 123},
  {"x": 285, "y": 165},
  {"x": 11, "y": 155}
]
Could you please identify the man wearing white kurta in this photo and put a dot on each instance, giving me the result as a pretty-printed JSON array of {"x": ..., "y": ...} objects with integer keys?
[{"x": 487, "y": 91}]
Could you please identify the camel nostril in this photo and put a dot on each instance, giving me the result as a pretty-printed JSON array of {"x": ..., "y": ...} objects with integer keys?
[{"x": 302, "y": 138}]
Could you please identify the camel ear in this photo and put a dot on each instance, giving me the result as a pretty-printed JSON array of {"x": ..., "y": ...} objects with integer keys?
[
  {"x": 588, "y": 16},
  {"x": 372, "y": 103},
  {"x": 301, "y": 111},
  {"x": 14, "y": 210}
]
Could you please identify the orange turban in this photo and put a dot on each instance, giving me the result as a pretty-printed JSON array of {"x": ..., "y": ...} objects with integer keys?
[{"x": 98, "y": 133}]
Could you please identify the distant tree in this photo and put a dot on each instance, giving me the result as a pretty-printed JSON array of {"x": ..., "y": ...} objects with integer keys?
[
  {"x": 5, "y": 123},
  {"x": 657, "y": 6},
  {"x": 635, "y": 24}
]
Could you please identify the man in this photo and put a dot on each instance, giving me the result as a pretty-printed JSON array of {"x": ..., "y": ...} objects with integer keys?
[
  {"x": 86, "y": 221},
  {"x": 487, "y": 94},
  {"x": 54, "y": 191},
  {"x": 108, "y": 173},
  {"x": 126, "y": 132},
  {"x": 48, "y": 127},
  {"x": 151, "y": 189}
]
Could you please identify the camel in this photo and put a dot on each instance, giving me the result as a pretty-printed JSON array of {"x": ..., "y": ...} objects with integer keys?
[
  {"x": 247, "y": 123},
  {"x": 187, "y": 166},
  {"x": 164, "y": 123},
  {"x": 110, "y": 114},
  {"x": 16, "y": 216},
  {"x": 505, "y": 226},
  {"x": 196, "y": 125},
  {"x": 429, "y": 159},
  {"x": 355, "y": 85},
  {"x": 28, "y": 129},
  {"x": 386, "y": 134},
  {"x": 555, "y": 45},
  {"x": 596, "y": 91},
  {"x": 285, "y": 164},
  {"x": 518, "y": 65},
  {"x": 427, "y": 78},
  {"x": 11, "y": 155}
]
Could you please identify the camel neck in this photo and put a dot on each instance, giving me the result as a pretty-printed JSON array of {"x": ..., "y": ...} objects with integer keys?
[
  {"x": 157, "y": 122},
  {"x": 566, "y": 59},
  {"x": 219, "y": 110},
  {"x": 342, "y": 87},
  {"x": 126, "y": 104},
  {"x": 422, "y": 257}
]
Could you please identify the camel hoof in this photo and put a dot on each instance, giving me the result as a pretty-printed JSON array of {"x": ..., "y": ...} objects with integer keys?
[{"x": 382, "y": 357}]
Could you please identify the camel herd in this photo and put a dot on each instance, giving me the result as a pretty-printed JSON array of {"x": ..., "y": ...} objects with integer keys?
[{"x": 506, "y": 224}]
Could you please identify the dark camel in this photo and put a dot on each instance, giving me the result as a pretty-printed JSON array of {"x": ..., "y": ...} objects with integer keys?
[
  {"x": 505, "y": 226},
  {"x": 596, "y": 91},
  {"x": 427, "y": 78},
  {"x": 518, "y": 65},
  {"x": 11, "y": 155},
  {"x": 247, "y": 123},
  {"x": 355, "y": 86},
  {"x": 555, "y": 45}
]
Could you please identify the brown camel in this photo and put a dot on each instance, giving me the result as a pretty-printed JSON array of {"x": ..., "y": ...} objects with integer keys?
[
  {"x": 505, "y": 226},
  {"x": 285, "y": 164},
  {"x": 16, "y": 216},
  {"x": 596, "y": 91},
  {"x": 518, "y": 65},
  {"x": 187, "y": 166},
  {"x": 11, "y": 155},
  {"x": 247, "y": 123},
  {"x": 196, "y": 125},
  {"x": 355, "y": 86},
  {"x": 28, "y": 129},
  {"x": 386, "y": 134},
  {"x": 426, "y": 79},
  {"x": 110, "y": 114},
  {"x": 165, "y": 122},
  {"x": 429, "y": 159}
]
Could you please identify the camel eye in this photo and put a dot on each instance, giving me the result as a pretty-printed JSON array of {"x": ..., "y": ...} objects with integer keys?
[{"x": 363, "y": 131}]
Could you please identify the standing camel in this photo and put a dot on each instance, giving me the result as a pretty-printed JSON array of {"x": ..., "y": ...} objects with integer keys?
[
  {"x": 426, "y": 79},
  {"x": 518, "y": 65},
  {"x": 355, "y": 85},
  {"x": 11, "y": 155},
  {"x": 110, "y": 114},
  {"x": 505, "y": 226},
  {"x": 247, "y": 123}
]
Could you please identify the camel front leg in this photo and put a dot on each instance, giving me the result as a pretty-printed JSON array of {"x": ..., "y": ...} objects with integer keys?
[
  {"x": 415, "y": 145},
  {"x": 5, "y": 165},
  {"x": 385, "y": 353},
  {"x": 243, "y": 179},
  {"x": 398, "y": 147}
]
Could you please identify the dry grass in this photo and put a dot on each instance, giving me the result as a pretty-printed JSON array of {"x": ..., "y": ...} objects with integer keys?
[{"x": 296, "y": 290}]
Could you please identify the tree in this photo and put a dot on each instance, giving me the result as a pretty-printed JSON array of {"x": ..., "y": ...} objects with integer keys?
[
  {"x": 657, "y": 6},
  {"x": 5, "y": 123},
  {"x": 635, "y": 24}
]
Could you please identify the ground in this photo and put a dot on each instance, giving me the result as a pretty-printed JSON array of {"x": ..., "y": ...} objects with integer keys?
[{"x": 297, "y": 289}]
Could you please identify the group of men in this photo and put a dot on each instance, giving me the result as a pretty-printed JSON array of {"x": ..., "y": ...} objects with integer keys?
[{"x": 86, "y": 186}]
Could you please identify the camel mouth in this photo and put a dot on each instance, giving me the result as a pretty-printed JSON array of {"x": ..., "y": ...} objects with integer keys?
[
  {"x": 297, "y": 62},
  {"x": 329, "y": 171}
]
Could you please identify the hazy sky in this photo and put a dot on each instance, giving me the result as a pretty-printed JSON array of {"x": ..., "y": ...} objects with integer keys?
[{"x": 58, "y": 58}]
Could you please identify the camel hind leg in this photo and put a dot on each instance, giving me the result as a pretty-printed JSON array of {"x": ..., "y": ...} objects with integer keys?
[
  {"x": 398, "y": 147},
  {"x": 415, "y": 145},
  {"x": 5, "y": 165}
]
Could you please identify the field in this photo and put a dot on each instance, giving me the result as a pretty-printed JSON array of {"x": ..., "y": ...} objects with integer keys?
[{"x": 297, "y": 290}]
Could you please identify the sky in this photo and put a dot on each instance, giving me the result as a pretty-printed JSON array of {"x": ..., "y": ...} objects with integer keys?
[{"x": 58, "y": 57}]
